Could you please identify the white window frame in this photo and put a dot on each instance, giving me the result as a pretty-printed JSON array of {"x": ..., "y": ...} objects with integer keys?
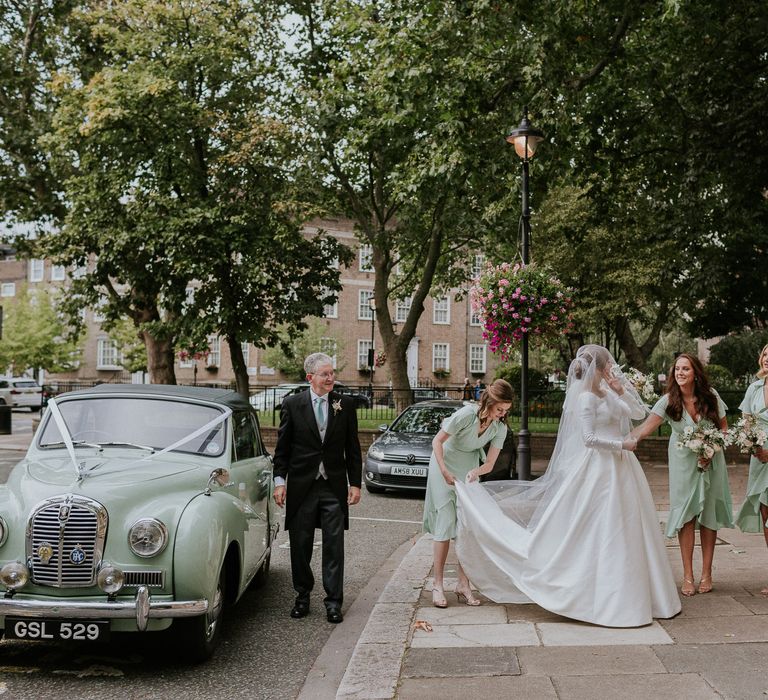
[
  {"x": 214, "y": 351},
  {"x": 246, "y": 352},
  {"x": 363, "y": 346},
  {"x": 437, "y": 359},
  {"x": 188, "y": 363},
  {"x": 108, "y": 354},
  {"x": 58, "y": 273},
  {"x": 365, "y": 257},
  {"x": 477, "y": 358},
  {"x": 364, "y": 310},
  {"x": 331, "y": 310},
  {"x": 478, "y": 263},
  {"x": 8, "y": 289},
  {"x": 36, "y": 269},
  {"x": 441, "y": 311},
  {"x": 475, "y": 319},
  {"x": 330, "y": 346},
  {"x": 402, "y": 309}
]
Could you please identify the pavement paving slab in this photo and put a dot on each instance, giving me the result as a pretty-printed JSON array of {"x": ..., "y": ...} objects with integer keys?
[
  {"x": 463, "y": 615},
  {"x": 372, "y": 673},
  {"x": 757, "y": 604},
  {"x": 719, "y": 630},
  {"x": 662, "y": 686},
  {"x": 588, "y": 661},
  {"x": 555, "y": 634},
  {"x": 389, "y": 622},
  {"x": 712, "y": 605},
  {"x": 746, "y": 685},
  {"x": 470, "y": 688},
  {"x": 450, "y": 663},
  {"x": 723, "y": 658},
  {"x": 508, "y": 634}
]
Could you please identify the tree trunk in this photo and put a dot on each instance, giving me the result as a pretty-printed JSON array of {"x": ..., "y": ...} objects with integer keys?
[
  {"x": 238, "y": 366},
  {"x": 160, "y": 358},
  {"x": 637, "y": 355}
]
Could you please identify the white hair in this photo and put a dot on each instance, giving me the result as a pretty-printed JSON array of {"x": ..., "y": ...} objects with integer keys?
[{"x": 316, "y": 360}]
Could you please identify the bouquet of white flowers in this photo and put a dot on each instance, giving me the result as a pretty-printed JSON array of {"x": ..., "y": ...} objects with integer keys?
[
  {"x": 643, "y": 385},
  {"x": 748, "y": 435},
  {"x": 705, "y": 440}
]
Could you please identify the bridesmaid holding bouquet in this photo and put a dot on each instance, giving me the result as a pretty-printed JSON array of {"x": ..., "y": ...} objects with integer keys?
[{"x": 699, "y": 495}]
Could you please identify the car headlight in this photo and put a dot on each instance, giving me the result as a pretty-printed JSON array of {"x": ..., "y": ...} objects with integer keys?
[
  {"x": 375, "y": 452},
  {"x": 14, "y": 575},
  {"x": 3, "y": 531},
  {"x": 147, "y": 537},
  {"x": 110, "y": 579}
]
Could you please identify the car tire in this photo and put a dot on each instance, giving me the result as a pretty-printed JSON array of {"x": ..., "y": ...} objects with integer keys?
[
  {"x": 199, "y": 636},
  {"x": 263, "y": 573},
  {"x": 374, "y": 489}
]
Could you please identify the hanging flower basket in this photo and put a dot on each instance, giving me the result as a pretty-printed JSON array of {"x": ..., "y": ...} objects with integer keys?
[{"x": 518, "y": 300}]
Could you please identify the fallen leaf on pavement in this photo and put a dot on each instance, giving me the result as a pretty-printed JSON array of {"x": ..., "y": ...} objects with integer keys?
[{"x": 422, "y": 625}]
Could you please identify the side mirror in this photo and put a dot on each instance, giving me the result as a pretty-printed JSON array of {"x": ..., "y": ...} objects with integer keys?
[
  {"x": 383, "y": 428},
  {"x": 218, "y": 477}
]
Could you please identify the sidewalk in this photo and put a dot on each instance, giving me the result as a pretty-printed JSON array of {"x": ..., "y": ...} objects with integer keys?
[{"x": 717, "y": 647}]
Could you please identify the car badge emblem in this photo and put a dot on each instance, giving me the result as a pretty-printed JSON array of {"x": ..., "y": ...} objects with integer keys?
[
  {"x": 77, "y": 555},
  {"x": 45, "y": 552},
  {"x": 64, "y": 513},
  {"x": 410, "y": 459}
]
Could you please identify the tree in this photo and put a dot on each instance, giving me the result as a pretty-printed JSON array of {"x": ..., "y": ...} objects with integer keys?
[
  {"x": 35, "y": 334},
  {"x": 177, "y": 179},
  {"x": 289, "y": 356},
  {"x": 739, "y": 352}
]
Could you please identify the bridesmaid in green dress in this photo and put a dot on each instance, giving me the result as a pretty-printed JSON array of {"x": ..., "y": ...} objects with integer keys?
[
  {"x": 699, "y": 495},
  {"x": 457, "y": 453},
  {"x": 753, "y": 515}
]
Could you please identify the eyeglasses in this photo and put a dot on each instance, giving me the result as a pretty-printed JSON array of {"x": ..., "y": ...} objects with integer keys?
[{"x": 324, "y": 375}]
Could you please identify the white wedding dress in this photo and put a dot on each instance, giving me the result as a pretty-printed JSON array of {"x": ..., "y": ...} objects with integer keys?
[{"x": 586, "y": 542}]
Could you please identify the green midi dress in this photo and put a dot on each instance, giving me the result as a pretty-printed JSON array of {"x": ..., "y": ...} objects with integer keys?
[
  {"x": 749, "y": 518},
  {"x": 462, "y": 451},
  {"x": 693, "y": 493}
]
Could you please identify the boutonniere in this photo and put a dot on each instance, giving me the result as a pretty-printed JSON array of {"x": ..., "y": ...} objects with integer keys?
[{"x": 336, "y": 406}]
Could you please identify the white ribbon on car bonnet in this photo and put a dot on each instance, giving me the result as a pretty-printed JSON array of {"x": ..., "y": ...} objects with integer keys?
[{"x": 66, "y": 437}]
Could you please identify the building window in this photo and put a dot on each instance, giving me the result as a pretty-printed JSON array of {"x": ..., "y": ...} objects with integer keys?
[
  {"x": 329, "y": 347},
  {"x": 364, "y": 310},
  {"x": 363, "y": 346},
  {"x": 475, "y": 319},
  {"x": 107, "y": 354},
  {"x": 79, "y": 272},
  {"x": 214, "y": 351},
  {"x": 58, "y": 273},
  {"x": 441, "y": 311},
  {"x": 246, "y": 352},
  {"x": 186, "y": 360},
  {"x": 402, "y": 309},
  {"x": 478, "y": 263},
  {"x": 36, "y": 268},
  {"x": 365, "y": 253},
  {"x": 330, "y": 310},
  {"x": 8, "y": 289},
  {"x": 440, "y": 357},
  {"x": 477, "y": 359}
]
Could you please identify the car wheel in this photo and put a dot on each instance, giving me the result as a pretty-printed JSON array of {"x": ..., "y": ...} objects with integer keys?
[
  {"x": 199, "y": 636},
  {"x": 374, "y": 489},
  {"x": 263, "y": 573}
]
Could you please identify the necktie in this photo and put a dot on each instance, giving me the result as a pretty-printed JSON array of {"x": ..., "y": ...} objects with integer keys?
[{"x": 320, "y": 413}]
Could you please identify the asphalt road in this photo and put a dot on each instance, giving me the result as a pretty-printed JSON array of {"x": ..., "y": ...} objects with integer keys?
[{"x": 264, "y": 653}]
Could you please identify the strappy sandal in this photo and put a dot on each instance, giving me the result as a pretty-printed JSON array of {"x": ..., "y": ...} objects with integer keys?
[
  {"x": 466, "y": 597},
  {"x": 438, "y": 598},
  {"x": 688, "y": 592},
  {"x": 703, "y": 587}
]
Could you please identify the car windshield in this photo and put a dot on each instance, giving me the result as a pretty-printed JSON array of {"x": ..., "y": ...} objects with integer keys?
[
  {"x": 26, "y": 384},
  {"x": 422, "y": 420},
  {"x": 138, "y": 422}
]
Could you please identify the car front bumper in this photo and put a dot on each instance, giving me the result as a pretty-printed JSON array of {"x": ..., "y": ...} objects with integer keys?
[
  {"x": 141, "y": 608},
  {"x": 378, "y": 473}
]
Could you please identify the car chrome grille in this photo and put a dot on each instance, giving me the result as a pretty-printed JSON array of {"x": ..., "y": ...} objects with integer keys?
[
  {"x": 413, "y": 482},
  {"x": 414, "y": 459},
  {"x": 151, "y": 579},
  {"x": 65, "y": 541}
]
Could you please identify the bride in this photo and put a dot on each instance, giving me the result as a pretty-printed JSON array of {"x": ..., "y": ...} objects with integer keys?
[{"x": 584, "y": 539}]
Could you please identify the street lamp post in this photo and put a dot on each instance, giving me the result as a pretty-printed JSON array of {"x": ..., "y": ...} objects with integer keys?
[
  {"x": 525, "y": 139},
  {"x": 371, "y": 355}
]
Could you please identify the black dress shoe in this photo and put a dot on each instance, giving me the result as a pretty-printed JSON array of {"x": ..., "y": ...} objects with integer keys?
[
  {"x": 300, "y": 609},
  {"x": 334, "y": 615}
]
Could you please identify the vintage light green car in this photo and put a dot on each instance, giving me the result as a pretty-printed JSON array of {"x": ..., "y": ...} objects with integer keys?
[{"x": 137, "y": 508}]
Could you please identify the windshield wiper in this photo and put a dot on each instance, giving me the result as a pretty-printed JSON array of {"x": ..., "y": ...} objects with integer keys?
[
  {"x": 126, "y": 444},
  {"x": 75, "y": 443}
]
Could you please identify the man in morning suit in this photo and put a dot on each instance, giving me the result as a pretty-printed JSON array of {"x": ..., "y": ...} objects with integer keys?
[{"x": 318, "y": 471}]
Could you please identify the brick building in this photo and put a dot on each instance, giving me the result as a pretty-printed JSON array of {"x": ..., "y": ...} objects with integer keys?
[{"x": 448, "y": 346}]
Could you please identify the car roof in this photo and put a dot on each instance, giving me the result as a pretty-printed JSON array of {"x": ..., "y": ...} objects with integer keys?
[
  {"x": 226, "y": 397},
  {"x": 441, "y": 403}
]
